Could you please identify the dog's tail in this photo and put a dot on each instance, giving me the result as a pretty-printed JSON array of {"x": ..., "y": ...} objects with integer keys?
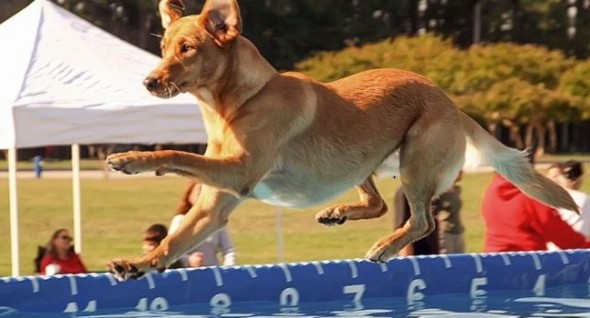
[{"x": 515, "y": 167}]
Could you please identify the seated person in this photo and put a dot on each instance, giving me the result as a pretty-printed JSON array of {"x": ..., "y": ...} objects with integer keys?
[
  {"x": 516, "y": 222},
  {"x": 60, "y": 257},
  {"x": 570, "y": 175}
]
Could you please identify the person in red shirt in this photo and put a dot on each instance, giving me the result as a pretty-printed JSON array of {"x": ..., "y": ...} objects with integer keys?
[
  {"x": 60, "y": 257},
  {"x": 515, "y": 222}
]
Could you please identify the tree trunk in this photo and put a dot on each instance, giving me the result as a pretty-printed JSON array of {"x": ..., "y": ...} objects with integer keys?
[
  {"x": 515, "y": 137},
  {"x": 413, "y": 18},
  {"x": 552, "y": 136},
  {"x": 493, "y": 129},
  {"x": 528, "y": 139},
  {"x": 541, "y": 139}
]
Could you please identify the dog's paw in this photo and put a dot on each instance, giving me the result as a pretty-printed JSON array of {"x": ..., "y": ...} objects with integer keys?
[
  {"x": 377, "y": 255},
  {"x": 330, "y": 217},
  {"x": 131, "y": 162},
  {"x": 124, "y": 270},
  {"x": 385, "y": 249}
]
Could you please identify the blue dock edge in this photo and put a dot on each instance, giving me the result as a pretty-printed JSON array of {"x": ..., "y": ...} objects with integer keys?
[{"x": 286, "y": 285}]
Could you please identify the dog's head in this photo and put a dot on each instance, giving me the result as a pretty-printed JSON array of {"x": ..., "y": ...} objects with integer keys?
[{"x": 195, "y": 49}]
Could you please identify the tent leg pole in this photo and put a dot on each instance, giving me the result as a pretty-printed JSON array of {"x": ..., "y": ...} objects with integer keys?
[
  {"x": 280, "y": 240},
  {"x": 13, "y": 199},
  {"x": 77, "y": 205}
]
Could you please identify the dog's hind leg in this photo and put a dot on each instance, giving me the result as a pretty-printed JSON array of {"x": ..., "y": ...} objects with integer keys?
[
  {"x": 420, "y": 224},
  {"x": 429, "y": 162},
  {"x": 370, "y": 206}
]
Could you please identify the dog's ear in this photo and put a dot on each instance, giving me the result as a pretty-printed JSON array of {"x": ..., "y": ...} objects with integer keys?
[
  {"x": 170, "y": 11},
  {"x": 221, "y": 19}
]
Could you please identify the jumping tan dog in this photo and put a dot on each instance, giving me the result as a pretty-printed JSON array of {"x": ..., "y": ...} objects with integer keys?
[{"x": 290, "y": 141}]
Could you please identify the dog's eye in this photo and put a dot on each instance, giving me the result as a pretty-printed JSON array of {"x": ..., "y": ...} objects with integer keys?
[{"x": 186, "y": 48}]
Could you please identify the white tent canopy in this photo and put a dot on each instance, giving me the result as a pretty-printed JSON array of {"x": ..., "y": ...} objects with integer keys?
[{"x": 67, "y": 82}]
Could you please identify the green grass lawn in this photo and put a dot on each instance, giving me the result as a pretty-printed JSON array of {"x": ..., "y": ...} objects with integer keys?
[
  {"x": 116, "y": 211},
  {"x": 48, "y": 164}
]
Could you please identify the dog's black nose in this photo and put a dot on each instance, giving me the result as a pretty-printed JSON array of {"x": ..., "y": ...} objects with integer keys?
[{"x": 151, "y": 83}]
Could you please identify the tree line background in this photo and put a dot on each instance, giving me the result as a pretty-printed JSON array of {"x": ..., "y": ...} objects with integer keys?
[{"x": 520, "y": 66}]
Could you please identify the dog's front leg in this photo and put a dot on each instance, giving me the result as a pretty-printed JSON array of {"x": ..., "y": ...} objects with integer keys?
[
  {"x": 134, "y": 162},
  {"x": 209, "y": 214},
  {"x": 236, "y": 174}
]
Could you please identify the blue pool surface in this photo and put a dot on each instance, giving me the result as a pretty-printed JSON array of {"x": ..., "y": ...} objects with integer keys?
[{"x": 541, "y": 284}]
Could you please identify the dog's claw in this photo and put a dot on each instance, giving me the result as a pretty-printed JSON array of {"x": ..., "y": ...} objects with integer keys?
[
  {"x": 123, "y": 270},
  {"x": 377, "y": 261},
  {"x": 126, "y": 171},
  {"x": 331, "y": 221},
  {"x": 330, "y": 216},
  {"x": 116, "y": 164},
  {"x": 120, "y": 168},
  {"x": 376, "y": 257}
]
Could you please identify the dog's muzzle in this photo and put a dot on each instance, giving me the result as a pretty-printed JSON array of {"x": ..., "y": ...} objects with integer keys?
[{"x": 152, "y": 83}]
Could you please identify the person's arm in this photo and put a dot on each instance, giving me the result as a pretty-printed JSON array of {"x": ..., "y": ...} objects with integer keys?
[
  {"x": 46, "y": 260},
  {"x": 585, "y": 219},
  {"x": 175, "y": 223},
  {"x": 84, "y": 269},
  {"x": 407, "y": 250},
  {"x": 227, "y": 248},
  {"x": 554, "y": 229},
  {"x": 186, "y": 203},
  {"x": 193, "y": 260}
]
